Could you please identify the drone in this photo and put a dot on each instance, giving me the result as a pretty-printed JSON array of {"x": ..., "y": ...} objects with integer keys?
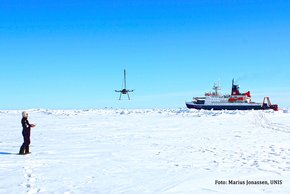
[{"x": 124, "y": 91}]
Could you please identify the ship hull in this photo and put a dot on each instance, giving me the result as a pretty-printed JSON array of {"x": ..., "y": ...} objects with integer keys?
[{"x": 226, "y": 107}]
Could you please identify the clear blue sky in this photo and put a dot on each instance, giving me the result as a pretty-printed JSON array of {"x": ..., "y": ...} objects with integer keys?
[{"x": 71, "y": 53}]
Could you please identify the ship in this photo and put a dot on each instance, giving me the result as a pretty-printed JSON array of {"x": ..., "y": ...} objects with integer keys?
[{"x": 235, "y": 101}]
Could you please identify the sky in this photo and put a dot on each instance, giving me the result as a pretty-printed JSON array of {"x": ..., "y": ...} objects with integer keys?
[{"x": 70, "y": 54}]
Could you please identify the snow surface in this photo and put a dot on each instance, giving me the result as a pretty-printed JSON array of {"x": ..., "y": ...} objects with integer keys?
[{"x": 145, "y": 151}]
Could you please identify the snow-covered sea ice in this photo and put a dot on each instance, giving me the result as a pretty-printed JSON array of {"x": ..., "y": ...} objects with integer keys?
[{"x": 146, "y": 151}]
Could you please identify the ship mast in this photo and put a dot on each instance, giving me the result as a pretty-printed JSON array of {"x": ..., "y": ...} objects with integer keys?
[{"x": 216, "y": 88}]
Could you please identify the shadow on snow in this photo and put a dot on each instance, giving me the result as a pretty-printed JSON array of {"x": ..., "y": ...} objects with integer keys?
[{"x": 6, "y": 153}]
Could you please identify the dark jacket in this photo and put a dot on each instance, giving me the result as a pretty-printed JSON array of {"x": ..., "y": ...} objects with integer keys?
[{"x": 26, "y": 126}]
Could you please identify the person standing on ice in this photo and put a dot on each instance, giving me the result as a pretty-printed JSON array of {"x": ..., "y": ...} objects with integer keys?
[{"x": 24, "y": 149}]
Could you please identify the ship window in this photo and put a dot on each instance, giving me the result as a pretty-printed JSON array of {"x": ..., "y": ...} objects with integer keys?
[{"x": 200, "y": 102}]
